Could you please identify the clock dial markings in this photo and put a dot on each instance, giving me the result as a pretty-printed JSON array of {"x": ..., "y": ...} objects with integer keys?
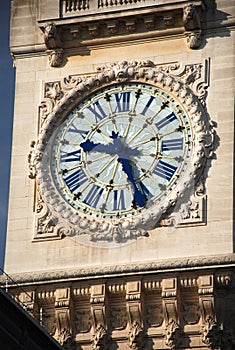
[
  {"x": 74, "y": 156},
  {"x": 166, "y": 120},
  {"x": 106, "y": 166},
  {"x": 137, "y": 96},
  {"x": 154, "y": 138},
  {"x": 163, "y": 106},
  {"x": 74, "y": 129},
  {"x": 93, "y": 196},
  {"x": 127, "y": 127},
  {"x": 122, "y": 101},
  {"x": 119, "y": 200},
  {"x": 172, "y": 144},
  {"x": 119, "y": 153},
  {"x": 164, "y": 170},
  {"x": 76, "y": 180},
  {"x": 66, "y": 170}
]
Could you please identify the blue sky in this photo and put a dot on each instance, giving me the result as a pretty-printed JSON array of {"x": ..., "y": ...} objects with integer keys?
[{"x": 7, "y": 73}]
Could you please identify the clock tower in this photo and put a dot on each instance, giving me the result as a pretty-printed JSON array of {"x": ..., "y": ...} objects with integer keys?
[{"x": 121, "y": 225}]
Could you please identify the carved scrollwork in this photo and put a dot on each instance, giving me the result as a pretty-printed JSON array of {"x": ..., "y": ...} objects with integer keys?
[
  {"x": 60, "y": 97},
  {"x": 173, "y": 335},
  {"x": 136, "y": 338},
  {"x": 211, "y": 333},
  {"x": 100, "y": 340}
]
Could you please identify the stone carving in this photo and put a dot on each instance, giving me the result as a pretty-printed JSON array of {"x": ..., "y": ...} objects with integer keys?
[
  {"x": 191, "y": 17},
  {"x": 136, "y": 337},
  {"x": 192, "y": 24},
  {"x": 100, "y": 340},
  {"x": 55, "y": 57},
  {"x": 53, "y": 44},
  {"x": 215, "y": 336},
  {"x": 224, "y": 280},
  {"x": 173, "y": 335},
  {"x": 118, "y": 317},
  {"x": 191, "y": 313},
  {"x": 51, "y": 36},
  {"x": 82, "y": 321},
  {"x": 211, "y": 333},
  {"x": 33, "y": 159},
  {"x": 194, "y": 39},
  {"x": 64, "y": 337},
  {"x": 60, "y": 95},
  {"x": 154, "y": 316}
]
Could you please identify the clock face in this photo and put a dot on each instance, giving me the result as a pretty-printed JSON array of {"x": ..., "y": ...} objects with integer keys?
[{"x": 121, "y": 151}]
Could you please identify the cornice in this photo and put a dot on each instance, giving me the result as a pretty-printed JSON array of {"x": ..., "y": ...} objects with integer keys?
[{"x": 178, "y": 265}]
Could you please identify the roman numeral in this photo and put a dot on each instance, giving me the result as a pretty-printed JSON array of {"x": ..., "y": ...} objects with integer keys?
[
  {"x": 73, "y": 128},
  {"x": 75, "y": 180},
  {"x": 98, "y": 111},
  {"x": 123, "y": 101},
  {"x": 172, "y": 145},
  {"x": 74, "y": 156},
  {"x": 93, "y": 196},
  {"x": 164, "y": 170},
  {"x": 168, "y": 119},
  {"x": 147, "y": 105},
  {"x": 119, "y": 200}
]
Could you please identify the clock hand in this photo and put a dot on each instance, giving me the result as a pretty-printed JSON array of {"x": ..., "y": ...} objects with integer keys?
[
  {"x": 98, "y": 147},
  {"x": 139, "y": 198},
  {"x": 116, "y": 147}
]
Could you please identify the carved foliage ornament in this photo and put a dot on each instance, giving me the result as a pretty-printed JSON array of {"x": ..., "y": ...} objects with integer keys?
[{"x": 63, "y": 97}]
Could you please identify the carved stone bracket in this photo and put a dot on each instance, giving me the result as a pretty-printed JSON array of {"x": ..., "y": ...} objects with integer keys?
[
  {"x": 100, "y": 340},
  {"x": 169, "y": 299},
  {"x": 206, "y": 296},
  {"x": 100, "y": 22},
  {"x": 133, "y": 298},
  {"x": 63, "y": 311},
  {"x": 187, "y": 84},
  {"x": 174, "y": 335},
  {"x": 136, "y": 336},
  {"x": 97, "y": 301},
  {"x": 53, "y": 43},
  {"x": 192, "y": 25},
  {"x": 77, "y": 313}
]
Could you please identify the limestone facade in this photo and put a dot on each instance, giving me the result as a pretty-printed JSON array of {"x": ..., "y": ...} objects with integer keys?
[{"x": 164, "y": 289}]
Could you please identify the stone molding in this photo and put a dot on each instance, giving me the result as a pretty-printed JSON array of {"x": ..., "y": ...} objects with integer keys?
[
  {"x": 93, "y": 23},
  {"x": 186, "y": 308},
  {"x": 226, "y": 261},
  {"x": 188, "y": 86}
]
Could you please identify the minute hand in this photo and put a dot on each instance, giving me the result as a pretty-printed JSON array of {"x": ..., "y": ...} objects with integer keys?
[{"x": 139, "y": 198}]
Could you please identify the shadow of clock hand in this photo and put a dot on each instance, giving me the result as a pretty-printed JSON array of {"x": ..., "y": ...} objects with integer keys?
[
  {"x": 97, "y": 147},
  {"x": 139, "y": 197},
  {"x": 114, "y": 147}
]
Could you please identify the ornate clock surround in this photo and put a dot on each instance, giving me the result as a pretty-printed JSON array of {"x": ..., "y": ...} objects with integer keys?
[{"x": 54, "y": 217}]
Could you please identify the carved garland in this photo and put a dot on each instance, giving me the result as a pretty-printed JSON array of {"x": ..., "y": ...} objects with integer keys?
[{"x": 61, "y": 97}]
